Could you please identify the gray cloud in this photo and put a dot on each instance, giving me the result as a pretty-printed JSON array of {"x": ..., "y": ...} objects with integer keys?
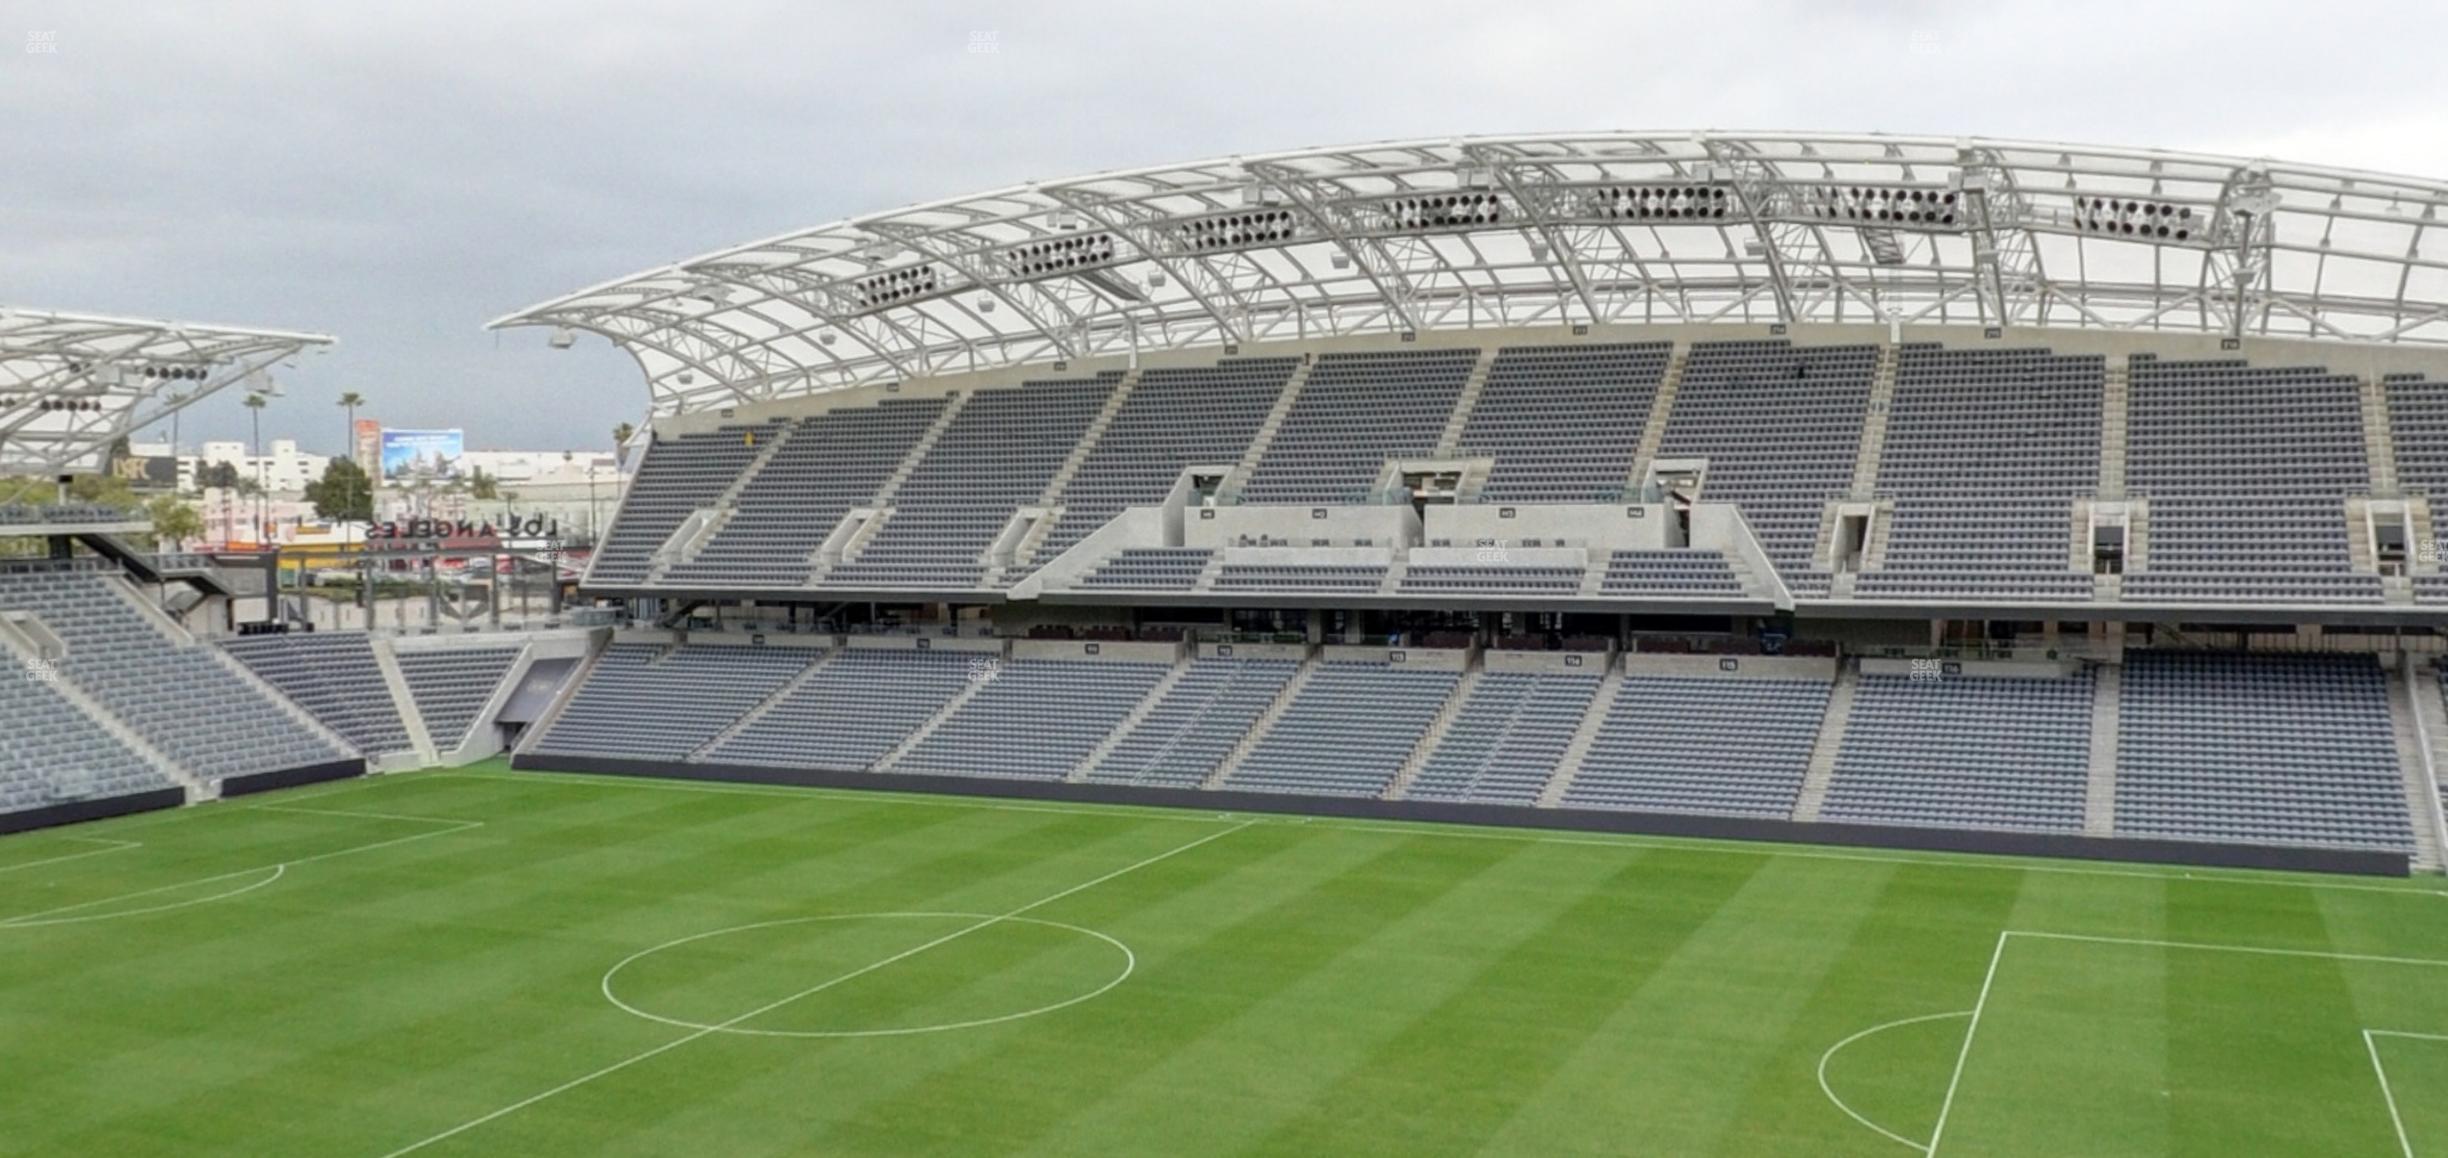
[{"x": 399, "y": 174}]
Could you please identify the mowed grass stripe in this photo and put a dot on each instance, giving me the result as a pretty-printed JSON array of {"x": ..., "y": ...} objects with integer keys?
[
  {"x": 2224, "y": 1030},
  {"x": 481, "y": 910},
  {"x": 1184, "y": 1001},
  {"x": 1303, "y": 988},
  {"x": 284, "y": 973},
  {"x": 2067, "y": 1056},
  {"x": 1228, "y": 1023},
  {"x": 1920, "y": 949},
  {"x": 757, "y": 1090},
  {"x": 1671, "y": 1063},
  {"x": 1515, "y": 1021},
  {"x": 1077, "y": 852}
]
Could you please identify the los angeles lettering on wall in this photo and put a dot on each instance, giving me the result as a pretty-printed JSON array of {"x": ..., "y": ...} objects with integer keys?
[{"x": 530, "y": 527}]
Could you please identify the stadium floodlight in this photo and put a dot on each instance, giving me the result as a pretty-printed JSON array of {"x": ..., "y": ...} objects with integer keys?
[
  {"x": 562, "y": 338},
  {"x": 825, "y": 337}
]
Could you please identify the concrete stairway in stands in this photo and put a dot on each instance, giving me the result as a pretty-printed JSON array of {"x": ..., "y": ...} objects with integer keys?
[
  {"x": 1832, "y": 727},
  {"x": 1266, "y": 720},
  {"x": 1601, "y": 705},
  {"x": 1130, "y": 723},
  {"x": 752, "y": 715},
  {"x": 2407, "y": 730},
  {"x": 2115, "y": 391},
  {"x": 2099, "y": 795},
  {"x": 2431, "y": 725},
  {"x": 2378, "y": 449},
  {"x": 951, "y": 708},
  {"x": 1434, "y": 737},
  {"x": 1449, "y": 443},
  {"x": 1874, "y": 425},
  {"x": 1241, "y": 472},
  {"x": 1661, "y": 407}
]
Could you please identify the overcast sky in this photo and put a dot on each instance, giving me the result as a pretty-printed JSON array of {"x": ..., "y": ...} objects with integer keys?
[{"x": 398, "y": 174}]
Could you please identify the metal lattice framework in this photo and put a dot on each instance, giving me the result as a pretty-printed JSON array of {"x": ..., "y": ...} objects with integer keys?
[
  {"x": 71, "y": 384},
  {"x": 1538, "y": 230}
]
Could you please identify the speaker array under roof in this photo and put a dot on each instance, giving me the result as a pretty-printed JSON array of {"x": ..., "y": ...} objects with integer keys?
[
  {"x": 1064, "y": 254},
  {"x": 1238, "y": 230},
  {"x": 150, "y": 371},
  {"x": 55, "y": 405},
  {"x": 1659, "y": 203},
  {"x": 897, "y": 286},
  {"x": 1885, "y": 205},
  {"x": 2135, "y": 217},
  {"x": 1467, "y": 209}
]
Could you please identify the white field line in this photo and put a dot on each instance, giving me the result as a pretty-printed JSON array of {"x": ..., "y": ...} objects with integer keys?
[
  {"x": 2371, "y": 1045},
  {"x": 277, "y": 870},
  {"x": 2209, "y": 947},
  {"x": 1948, "y": 1104},
  {"x": 1130, "y": 965},
  {"x": 1938, "y": 1130},
  {"x": 881, "y": 795},
  {"x": 109, "y": 846},
  {"x": 812, "y": 990},
  {"x": 1882, "y": 1027},
  {"x": 885, "y": 794},
  {"x": 52, "y": 917}
]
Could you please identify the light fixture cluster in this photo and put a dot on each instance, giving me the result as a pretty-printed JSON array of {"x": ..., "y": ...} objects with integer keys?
[
  {"x": 1238, "y": 230},
  {"x": 898, "y": 286},
  {"x": 1466, "y": 210},
  {"x": 54, "y": 405},
  {"x": 2131, "y": 217},
  {"x": 163, "y": 373},
  {"x": 1882, "y": 205},
  {"x": 1060, "y": 254},
  {"x": 1659, "y": 202}
]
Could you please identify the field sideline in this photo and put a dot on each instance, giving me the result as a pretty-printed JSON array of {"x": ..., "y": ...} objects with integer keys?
[{"x": 512, "y": 963}]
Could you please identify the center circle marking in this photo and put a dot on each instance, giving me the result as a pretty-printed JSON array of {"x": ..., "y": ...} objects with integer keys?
[{"x": 1130, "y": 963}]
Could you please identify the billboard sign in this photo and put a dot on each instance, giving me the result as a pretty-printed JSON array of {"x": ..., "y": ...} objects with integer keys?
[
  {"x": 365, "y": 445},
  {"x": 422, "y": 453},
  {"x": 146, "y": 471}
]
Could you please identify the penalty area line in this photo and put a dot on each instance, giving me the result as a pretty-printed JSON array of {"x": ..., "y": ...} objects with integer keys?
[
  {"x": 108, "y": 846},
  {"x": 811, "y": 991},
  {"x": 277, "y": 870}
]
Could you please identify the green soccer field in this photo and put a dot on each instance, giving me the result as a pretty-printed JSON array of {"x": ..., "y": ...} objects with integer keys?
[{"x": 500, "y": 963}]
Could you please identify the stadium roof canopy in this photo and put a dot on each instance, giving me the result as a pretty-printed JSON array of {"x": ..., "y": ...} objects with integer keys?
[
  {"x": 71, "y": 384},
  {"x": 1538, "y": 230}
]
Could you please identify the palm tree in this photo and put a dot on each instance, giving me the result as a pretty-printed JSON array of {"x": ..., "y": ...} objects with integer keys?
[
  {"x": 350, "y": 400},
  {"x": 620, "y": 442},
  {"x": 255, "y": 403}
]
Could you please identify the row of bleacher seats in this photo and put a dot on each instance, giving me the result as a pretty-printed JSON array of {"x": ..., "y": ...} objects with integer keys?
[
  {"x": 2272, "y": 749},
  {"x": 179, "y": 696},
  {"x": 997, "y": 455},
  {"x": 1985, "y": 454},
  {"x": 53, "y": 753},
  {"x": 337, "y": 678},
  {"x": 35, "y": 515},
  {"x": 452, "y": 685},
  {"x": 334, "y": 676},
  {"x": 826, "y": 465}
]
